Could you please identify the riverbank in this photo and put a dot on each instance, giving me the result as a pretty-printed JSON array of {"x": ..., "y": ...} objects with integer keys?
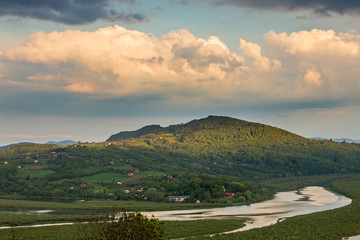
[
  {"x": 91, "y": 206},
  {"x": 332, "y": 224}
]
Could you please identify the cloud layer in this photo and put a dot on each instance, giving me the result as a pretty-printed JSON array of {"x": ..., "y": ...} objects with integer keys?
[
  {"x": 180, "y": 68},
  {"x": 69, "y": 11},
  {"x": 323, "y": 7}
]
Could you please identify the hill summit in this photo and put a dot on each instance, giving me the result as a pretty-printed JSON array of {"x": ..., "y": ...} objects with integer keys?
[{"x": 210, "y": 123}]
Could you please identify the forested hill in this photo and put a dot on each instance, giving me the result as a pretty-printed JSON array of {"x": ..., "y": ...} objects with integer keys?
[
  {"x": 216, "y": 124},
  {"x": 226, "y": 145}
]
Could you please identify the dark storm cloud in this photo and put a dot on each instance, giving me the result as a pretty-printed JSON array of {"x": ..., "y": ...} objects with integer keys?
[
  {"x": 69, "y": 11},
  {"x": 323, "y": 7}
]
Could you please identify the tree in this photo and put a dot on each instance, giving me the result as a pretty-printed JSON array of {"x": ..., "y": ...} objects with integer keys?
[
  {"x": 153, "y": 195},
  {"x": 114, "y": 224}
]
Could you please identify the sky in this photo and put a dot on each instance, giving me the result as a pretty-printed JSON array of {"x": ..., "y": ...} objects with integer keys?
[{"x": 86, "y": 69}]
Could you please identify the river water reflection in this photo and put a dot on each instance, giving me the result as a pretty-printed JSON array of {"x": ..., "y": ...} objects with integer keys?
[{"x": 285, "y": 204}]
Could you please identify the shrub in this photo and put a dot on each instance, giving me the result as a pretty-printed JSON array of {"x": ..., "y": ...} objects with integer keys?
[{"x": 114, "y": 224}]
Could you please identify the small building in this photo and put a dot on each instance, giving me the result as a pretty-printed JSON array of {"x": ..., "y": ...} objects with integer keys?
[
  {"x": 126, "y": 191},
  {"x": 118, "y": 183},
  {"x": 140, "y": 188},
  {"x": 36, "y": 162},
  {"x": 130, "y": 174},
  {"x": 137, "y": 170},
  {"x": 83, "y": 185},
  {"x": 112, "y": 163},
  {"x": 18, "y": 166},
  {"x": 184, "y": 198},
  {"x": 228, "y": 195},
  {"x": 6, "y": 162},
  {"x": 54, "y": 154}
]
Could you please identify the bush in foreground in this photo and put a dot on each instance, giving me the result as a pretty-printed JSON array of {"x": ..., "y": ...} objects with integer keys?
[{"x": 115, "y": 224}]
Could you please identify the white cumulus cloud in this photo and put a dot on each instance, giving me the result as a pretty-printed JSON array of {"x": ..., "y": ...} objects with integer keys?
[{"x": 117, "y": 62}]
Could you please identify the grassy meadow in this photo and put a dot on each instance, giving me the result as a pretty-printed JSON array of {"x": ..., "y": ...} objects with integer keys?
[
  {"x": 95, "y": 205},
  {"x": 173, "y": 229}
]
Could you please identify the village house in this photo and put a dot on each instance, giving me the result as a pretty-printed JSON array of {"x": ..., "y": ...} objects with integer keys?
[
  {"x": 130, "y": 174},
  {"x": 184, "y": 198},
  {"x": 112, "y": 163},
  {"x": 137, "y": 170},
  {"x": 54, "y": 154},
  {"x": 140, "y": 188},
  {"x": 228, "y": 195}
]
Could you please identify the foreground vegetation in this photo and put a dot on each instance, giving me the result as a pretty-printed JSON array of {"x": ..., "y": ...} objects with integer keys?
[
  {"x": 113, "y": 224},
  {"x": 172, "y": 229}
]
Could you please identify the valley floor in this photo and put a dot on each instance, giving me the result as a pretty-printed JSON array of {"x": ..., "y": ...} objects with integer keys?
[{"x": 333, "y": 224}]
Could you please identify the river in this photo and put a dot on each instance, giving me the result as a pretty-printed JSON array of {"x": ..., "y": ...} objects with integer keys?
[{"x": 284, "y": 205}]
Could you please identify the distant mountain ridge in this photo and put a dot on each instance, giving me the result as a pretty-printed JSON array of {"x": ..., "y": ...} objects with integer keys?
[
  {"x": 14, "y": 144},
  {"x": 348, "y": 140},
  {"x": 60, "y": 143}
]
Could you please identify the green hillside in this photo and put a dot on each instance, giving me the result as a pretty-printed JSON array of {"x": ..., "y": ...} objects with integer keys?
[
  {"x": 201, "y": 159},
  {"x": 229, "y": 146}
]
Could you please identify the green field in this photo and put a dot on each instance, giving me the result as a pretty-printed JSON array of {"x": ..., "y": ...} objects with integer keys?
[
  {"x": 105, "y": 177},
  {"x": 11, "y": 219},
  {"x": 173, "y": 229},
  {"x": 94, "y": 205},
  {"x": 34, "y": 171},
  {"x": 108, "y": 177}
]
